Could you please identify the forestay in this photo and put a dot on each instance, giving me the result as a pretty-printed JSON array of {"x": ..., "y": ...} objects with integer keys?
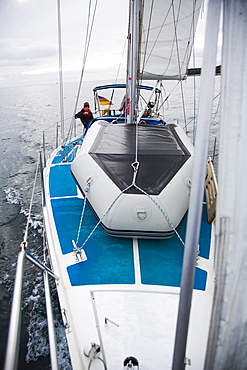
[{"x": 167, "y": 38}]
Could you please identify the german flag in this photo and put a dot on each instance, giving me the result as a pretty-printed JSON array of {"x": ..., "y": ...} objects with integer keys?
[{"x": 104, "y": 101}]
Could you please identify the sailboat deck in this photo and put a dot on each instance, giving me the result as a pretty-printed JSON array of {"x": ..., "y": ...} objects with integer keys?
[{"x": 115, "y": 260}]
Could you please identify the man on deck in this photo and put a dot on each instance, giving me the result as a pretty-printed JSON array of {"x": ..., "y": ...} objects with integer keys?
[{"x": 85, "y": 114}]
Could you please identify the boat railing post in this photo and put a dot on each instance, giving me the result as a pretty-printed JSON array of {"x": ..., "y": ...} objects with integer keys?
[
  {"x": 57, "y": 136},
  {"x": 74, "y": 128},
  {"x": 43, "y": 267},
  {"x": 50, "y": 322},
  {"x": 42, "y": 180},
  {"x": 13, "y": 343},
  {"x": 44, "y": 149}
]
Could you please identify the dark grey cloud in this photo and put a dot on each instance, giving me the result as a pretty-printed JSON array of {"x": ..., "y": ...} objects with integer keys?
[{"x": 22, "y": 52}]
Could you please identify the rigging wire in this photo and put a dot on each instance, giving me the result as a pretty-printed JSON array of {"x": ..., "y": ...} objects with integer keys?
[
  {"x": 87, "y": 43},
  {"x": 177, "y": 48},
  {"x": 146, "y": 44},
  {"x": 218, "y": 107},
  {"x": 215, "y": 114},
  {"x": 60, "y": 68},
  {"x": 167, "y": 96},
  {"x": 56, "y": 123},
  {"x": 214, "y": 152},
  {"x": 118, "y": 71},
  {"x": 194, "y": 77},
  {"x": 117, "y": 74},
  {"x": 31, "y": 202}
]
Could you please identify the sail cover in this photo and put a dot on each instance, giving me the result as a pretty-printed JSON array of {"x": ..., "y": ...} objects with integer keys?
[{"x": 167, "y": 38}]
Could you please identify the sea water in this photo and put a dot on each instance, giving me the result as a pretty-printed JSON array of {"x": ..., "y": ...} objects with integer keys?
[{"x": 25, "y": 113}]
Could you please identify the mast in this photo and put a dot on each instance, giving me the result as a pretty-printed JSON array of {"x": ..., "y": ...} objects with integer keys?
[
  {"x": 134, "y": 28},
  {"x": 228, "y": 335},
  {"x": 197, "y": 183}
]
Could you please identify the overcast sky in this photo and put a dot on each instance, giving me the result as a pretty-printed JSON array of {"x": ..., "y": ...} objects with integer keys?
[{"x": 28, "y": 40}]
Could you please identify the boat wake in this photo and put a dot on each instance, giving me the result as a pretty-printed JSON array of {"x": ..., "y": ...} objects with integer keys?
[
  {"x": 34, "y": 323},
  {"x": 38, "y": 343}
]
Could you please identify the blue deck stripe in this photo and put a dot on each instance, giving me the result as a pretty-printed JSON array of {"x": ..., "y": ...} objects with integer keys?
[
  {"x": 161, "y": 261},
  {"x": 67, "y": 212},
  {"x": 107, "y": 263},
  {"x": 200, "y": 279},
  {"x": 110, "y": 260},
  {"x": 61, "y": 182},
  {"x": 205, "y": 235}
]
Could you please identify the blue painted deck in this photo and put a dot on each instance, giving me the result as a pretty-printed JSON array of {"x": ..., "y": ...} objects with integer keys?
[{"x": 110, "y": 260}]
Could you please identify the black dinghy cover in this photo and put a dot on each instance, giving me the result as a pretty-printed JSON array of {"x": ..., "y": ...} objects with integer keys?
[{"x": 160, "y": 153}]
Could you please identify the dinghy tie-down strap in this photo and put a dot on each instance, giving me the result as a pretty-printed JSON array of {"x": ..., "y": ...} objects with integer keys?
[
  {"x": 162, "y": 211},
  {"x": 101, "y": 219},
  {"x": 135, "y": 165},
  {"x": 77, "y": 250}
]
